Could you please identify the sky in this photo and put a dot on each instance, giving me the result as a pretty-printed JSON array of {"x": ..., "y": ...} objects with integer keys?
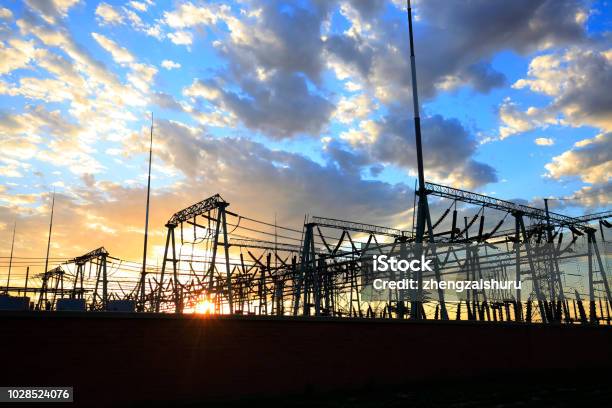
[{"x": 292, "y": 108}]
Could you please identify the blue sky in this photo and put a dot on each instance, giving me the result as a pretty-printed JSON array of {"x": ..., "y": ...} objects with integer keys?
[{"x": 296, "y": 107}]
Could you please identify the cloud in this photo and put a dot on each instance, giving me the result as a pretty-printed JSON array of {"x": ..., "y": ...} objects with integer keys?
[
  {"x": 47, "y": 136},
  {"x": 275, "y": 106},
  {"x": 188, "y": 15},
  {"x": 96, "y": 105},
  {"x": 597, "y": 196},
  {"x": 253, "y": 176},
  {"x": 590, "y": 198},
  {"x": 12, "y": 168},
  {"x": 516, "y": 121},
  {"x": 120, "y": 54},
  {"x": 138, "y": 5},
  {"x": 277, "y": 36},
  {"x": 544, "y": 141},
  {"x": 57, "y": 36},
  {"x": 141, "y": 75},
  {"x": 181, "y": 37},
  {"x": 589, "y": 159},
  {"x": 454, "y": 43},
  {"x": 51, "y": 10},
  {"x": 256, "y": 180},
  {"x": 573, "y": 79},
  {"x": 170, "y": 65},
  {"x": 167, "y": 101},
  {"x": 17, "y": 55},
  {"x": 108, "y": 14},
  {"x": 448, "y": 148},
  {"x": 275, "y": 43},
  {"x": 353, "y": 108},
  {"x": 274, "y": 63},
  {"x": 5, "y": 14}
]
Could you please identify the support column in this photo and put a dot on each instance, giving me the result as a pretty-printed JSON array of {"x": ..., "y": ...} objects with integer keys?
[
  {"x": 161, "y": 279},
  {"x": 517, "y": 236},
  {"x": 536, "y": 284},
  {"x": 104, "y": 283},
  {"x": 227, "y": 263}
]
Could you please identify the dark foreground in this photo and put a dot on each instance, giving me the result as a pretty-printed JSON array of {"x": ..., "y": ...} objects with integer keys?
[
  {"x": 114, "y": 359},
  {"x": 571, "y": 391}
]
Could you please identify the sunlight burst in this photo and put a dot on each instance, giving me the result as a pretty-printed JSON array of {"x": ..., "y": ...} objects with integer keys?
[{"x": 205, "y": 307}]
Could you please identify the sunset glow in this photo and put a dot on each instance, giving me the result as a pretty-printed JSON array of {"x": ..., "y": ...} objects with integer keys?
[{"x": 205, "y": 307}]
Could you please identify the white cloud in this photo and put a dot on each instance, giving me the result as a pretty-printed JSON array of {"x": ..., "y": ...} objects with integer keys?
[
  {"x": 142, "y": 76},
  {"x": 51, "y": 10},
  {"x": 352, "y": 86},
  {"x": 367, "y": 133},
  {"x": 137, "y": 5},
  {"x": 589, "y": 159},
  {"x": 181, "y": 37},
  {"x": 120, "y": 54},
  {"x": 544, "y": 141},
  {"x": 202, "y": 90},
  {"x": 187, "y": 15},
  {"x": 108, "y": 14},
  {"x": 169, "y": 65},
  {"x": 99, "y": 106},
  {"x": 5, "y": 14},
  {"x": 350, "y": 109},
  {"x": 575, "y": 80},
  {"x": 17, "y": 55},
  {"x": 154, "y": 31},
  {"x": 515, "y": 121}
]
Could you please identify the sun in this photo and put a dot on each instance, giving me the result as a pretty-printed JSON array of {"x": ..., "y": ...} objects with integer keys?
[{"x": 205, "y": 307}]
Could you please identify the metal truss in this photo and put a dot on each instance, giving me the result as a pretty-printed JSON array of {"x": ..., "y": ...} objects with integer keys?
[
  {"x": 594, "y": 217},
  {"x": 199, "y": 208},
  {"x": 259, "y": 244},
  {"x": 502, "y": 205},
  {"x": 358, "y": 227},
  {"x": 99, "y": 252},
  {"x": 57, "y": 271}
]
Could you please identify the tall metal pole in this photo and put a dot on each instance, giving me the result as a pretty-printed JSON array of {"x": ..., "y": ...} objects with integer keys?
[
  {"x": 552, "y": 279},
  {"x": 48, "y": 248},
  {"x": 422, "y": 207},
  {"x": 146, "y": 234},
  {"x": 554, "y": 266},
  {"x": 8, "y": 279},
  {"x": 25, "y": 289},
  {"x": 417, "y": 121}
]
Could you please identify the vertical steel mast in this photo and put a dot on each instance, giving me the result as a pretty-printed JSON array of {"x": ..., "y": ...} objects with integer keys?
[
  {"x": 422, "y": 206},
  {"x": 423, "y": 216},
  {"x": 146, "y": 232},
  {"x": 417, "y": 125},
  {"x": 8, "y": 279},
  {"x": 43, "y": 293}
]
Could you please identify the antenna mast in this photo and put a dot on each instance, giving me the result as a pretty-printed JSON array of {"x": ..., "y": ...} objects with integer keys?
[
  {"x": 50, "y": 230},
  {"x": 417, "y": 133},
  {"x": 43, "y": 294},
  {"x": 422, "y": 209},
  {"x": 146, "y": 234},
  {"x": 8, "y": 280}
]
